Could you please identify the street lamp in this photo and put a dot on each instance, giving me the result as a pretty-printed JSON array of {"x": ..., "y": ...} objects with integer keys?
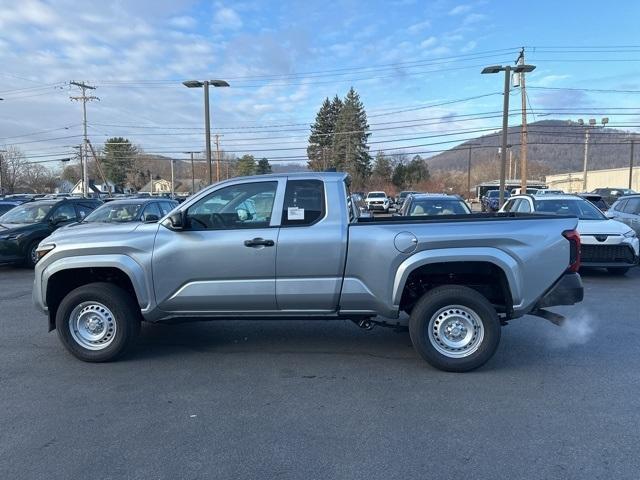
[
  {"x": 207, "y": 121},
  {"x": 507, "y": 69},
  {"x": 592, "y": 123}
]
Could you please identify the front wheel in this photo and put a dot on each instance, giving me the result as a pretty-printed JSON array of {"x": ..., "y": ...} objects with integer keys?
[
  {"x": 98, "y": 322},
  {"x": 31, "y": 254},
  {"x": 454, "y": 328}
]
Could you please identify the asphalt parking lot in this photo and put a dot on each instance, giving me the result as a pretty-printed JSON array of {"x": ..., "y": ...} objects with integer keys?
[{"x": 324, "y": 400}]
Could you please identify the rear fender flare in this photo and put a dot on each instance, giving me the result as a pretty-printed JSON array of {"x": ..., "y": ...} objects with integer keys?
[{"x": 499, "y": 258}]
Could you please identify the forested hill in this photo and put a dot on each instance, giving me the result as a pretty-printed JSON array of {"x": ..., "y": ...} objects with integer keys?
[{"x": 555, "y": 145}]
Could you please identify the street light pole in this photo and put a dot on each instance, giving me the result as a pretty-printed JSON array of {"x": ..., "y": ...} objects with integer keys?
[
  {"x": 630, "y": 165},
  {"x": 2, "y": 158},
  {"x": 507, "y": 69},
  {"x": 207, "y": 119},
  {"x": 207, "y": 127}
]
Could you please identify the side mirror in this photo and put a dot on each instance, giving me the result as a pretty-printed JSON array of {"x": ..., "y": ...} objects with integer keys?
[
  {"x": 57, "y": 221},
  {"x": 176, "y": 221},
  {"x": 151, "y": 217}
]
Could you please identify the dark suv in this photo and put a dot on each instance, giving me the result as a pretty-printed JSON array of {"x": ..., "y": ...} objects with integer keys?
[{"x": 23, "y": 227}]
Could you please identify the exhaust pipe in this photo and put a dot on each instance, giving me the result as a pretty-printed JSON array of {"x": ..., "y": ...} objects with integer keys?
[{"x": 554, "y": 318}]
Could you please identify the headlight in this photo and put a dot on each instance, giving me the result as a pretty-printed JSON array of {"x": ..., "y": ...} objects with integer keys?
[
  {"x": 44, "y": 249},
  {"x": 629, "y": 234}
]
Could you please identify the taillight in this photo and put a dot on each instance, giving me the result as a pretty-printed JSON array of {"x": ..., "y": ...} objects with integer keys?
[{"x": 574, "y": 249}]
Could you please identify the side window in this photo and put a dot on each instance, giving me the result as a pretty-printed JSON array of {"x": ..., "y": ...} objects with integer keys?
[
  {"x": 303, "y": 202},
  {"x": 64, "y": 213},
  {"x": 632, "y": 206},
  {"x": 247, "y": 205},
  {"x": 511, "y": 205},
  {"x": 619, "y": 205},
  {"x": 524, "y": 207},
  {"x": 85, "y": 209},
  {"x": 166, "y": 207},
  {"x": 151, "y": 209}
]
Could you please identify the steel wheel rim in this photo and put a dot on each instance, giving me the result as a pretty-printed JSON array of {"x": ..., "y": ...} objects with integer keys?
[
  {"x": 92, "y": 325},
  {"x": 456, "y": 331}
]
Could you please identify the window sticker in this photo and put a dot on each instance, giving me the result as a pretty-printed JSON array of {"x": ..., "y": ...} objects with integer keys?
[{"x": 295, "y": 213}]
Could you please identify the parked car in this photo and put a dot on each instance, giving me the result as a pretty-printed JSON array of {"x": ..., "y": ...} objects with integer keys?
[
  {"x": 459, "y": 279},
  {"x": 605, "y": 243},
  {"x": 547, "y": 191},
  {"x": 131, "y": 210},
  {"x": 491, "y": 201},
  {"x": 402, "y": 196},
  {"x": 378, "y": 201},
  {"x": 596, "y": 200},
  {"x": 610, "y": 195},
  {"x": 19, "y": 197},
  {"x": 627, "y": 210},
  {"x": 529, "y": 191},
  {"x": 356, "y": 202},
  {"x": 6, "y": 205},
  {"x": 23, "y": 227},
  {"x": 425, "y": 204}
]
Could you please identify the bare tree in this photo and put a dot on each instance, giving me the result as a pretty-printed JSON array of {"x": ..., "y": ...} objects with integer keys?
[{"x": 13, "y": 163}]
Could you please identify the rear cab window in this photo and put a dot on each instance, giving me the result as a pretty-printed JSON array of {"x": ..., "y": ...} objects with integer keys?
[{"x": 304, "y": 203}]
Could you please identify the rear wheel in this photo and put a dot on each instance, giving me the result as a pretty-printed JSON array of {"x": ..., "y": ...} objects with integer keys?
[
  {"x": 454, "y": 328},
  {"x": 98, "y": 322},
  {"x": 617, "y": 270}
]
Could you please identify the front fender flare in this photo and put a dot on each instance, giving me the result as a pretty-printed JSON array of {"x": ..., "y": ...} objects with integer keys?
[
  {"x": 499, "y": 258},
  {"x": 126, "y": 264}
]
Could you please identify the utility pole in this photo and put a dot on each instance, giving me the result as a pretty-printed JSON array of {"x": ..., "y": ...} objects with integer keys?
[
  {"x": 523, "y": 141},
  {"x": 1, "y": 159},
  {"x": 630, "y": 165},
  {"x": 193, "y": 173},
  {"x": 469, "y": 173},
  {"x": 586, "y": 159},
  {"x": 84, "y": 152},
  {"x": 217, "y": 157},
  {"x": 173, "y": 191}
]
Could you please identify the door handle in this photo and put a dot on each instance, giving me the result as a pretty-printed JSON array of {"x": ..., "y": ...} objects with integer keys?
[{"x": 259, "y": 242}]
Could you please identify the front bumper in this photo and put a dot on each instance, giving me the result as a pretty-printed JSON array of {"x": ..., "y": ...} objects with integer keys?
[
  {"x": 568, "y": 290},
  {"x": 378, "y": 206}
]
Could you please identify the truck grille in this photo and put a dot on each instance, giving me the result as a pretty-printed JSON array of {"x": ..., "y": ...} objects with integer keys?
[{"x": 606, "y": 254}]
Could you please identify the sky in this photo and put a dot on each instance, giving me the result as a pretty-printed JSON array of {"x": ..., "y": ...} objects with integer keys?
[{"x": 415, "y": 63}]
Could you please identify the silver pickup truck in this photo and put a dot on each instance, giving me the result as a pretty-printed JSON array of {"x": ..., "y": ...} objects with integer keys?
[{"x": 292, "y": 246}]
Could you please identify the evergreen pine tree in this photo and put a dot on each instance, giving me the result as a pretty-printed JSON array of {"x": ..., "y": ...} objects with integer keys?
[
  {"x": 320, "y": 140},
  {"x": 246, "y": 165},
  {"x": 263, "y": 167},
  {"x": 351, "y": 152},
  {"x": 118, "y": 160}
]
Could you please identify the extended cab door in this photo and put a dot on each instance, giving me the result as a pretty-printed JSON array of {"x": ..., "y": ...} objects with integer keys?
[
  {"x": 311, "y": 246},
  {"x": 225, "y": 258}
]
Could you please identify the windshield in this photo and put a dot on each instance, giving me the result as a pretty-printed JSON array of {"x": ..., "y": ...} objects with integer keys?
[
  {"x": 580, "y": 208},
  {"x": 438, "y": 207},
  {"x": 26, "y": 214},
  {"x": 127, "y": 212},
  {"x": 376, "y": 195}
]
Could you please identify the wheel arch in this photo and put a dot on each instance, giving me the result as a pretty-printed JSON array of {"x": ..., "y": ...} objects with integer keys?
[
  {"x": 457, "y": 261},
  {"x": 63, "y": 276}
]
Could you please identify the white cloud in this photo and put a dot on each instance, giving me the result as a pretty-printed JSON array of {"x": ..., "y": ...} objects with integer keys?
[
  {"x": 419, "y": 27},
  {"x": 469, "y": 46},
  {"x": 474, "y": 18},
  {"x": 429, "y": 42},
  {"x": 549, "y": 80},
  {"x": 460, "y": 9},
  {"x": 184, "y": 21},
  {"x": 226, "y": 17}
]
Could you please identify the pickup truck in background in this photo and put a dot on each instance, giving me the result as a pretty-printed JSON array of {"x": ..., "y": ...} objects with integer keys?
[{"x": 291, "y": 246}]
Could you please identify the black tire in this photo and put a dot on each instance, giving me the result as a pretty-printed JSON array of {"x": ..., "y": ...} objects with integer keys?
[
  {"x": 125, "y": 315},
  {"x": 618, "y": 270},
  {"x": 29, "y": 256},
  {"x": 451, "y": 296}
]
